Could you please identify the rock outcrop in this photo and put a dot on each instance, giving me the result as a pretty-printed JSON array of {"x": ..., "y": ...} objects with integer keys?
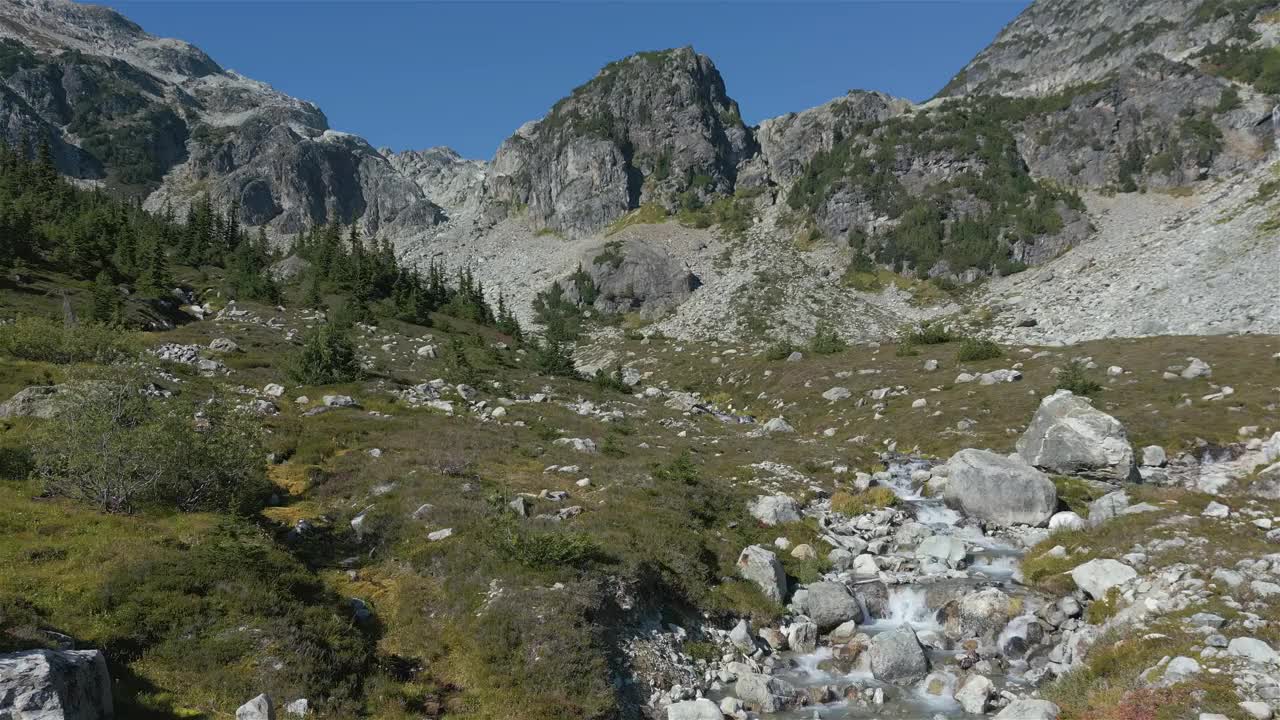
[{"x": 654, "y": 127}]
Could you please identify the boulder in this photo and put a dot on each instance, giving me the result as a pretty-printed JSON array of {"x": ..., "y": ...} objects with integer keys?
[
  {"x": 1253, "y": 649},
  {"x": 897, "y": 656},
  {"x": 1029, "y": 709},
  {"x": 700, "y": 709},
  {"x": 1196, "y": 368},
  {"x": 998, "y": 489},
  {"x": 259, "y": 708},
  {"x": 1108, "y": 506},
  {"x": 37, "y": 401},
  {"x": 973, "y": 693},
  {"x": 338, "y": 401},
  {"x": 764, "y": 693},
  {"x": 981, "y": 614},
  {"x": 802, "y": 637},
  {"x": 1096, "y": 577},
  {"x": 1154, "y": 456},
  {"x": 1066, "y": 520},
  {"x": 55, "y": 685},
  {"x": 778, "y": 425},
  {"x": 774, "y": 510},
  {"x": 942, "y": 548},
  {"x": 1071, "y": 437},
  {"x": 762, "y": 568},
  {"x": 829, "y": 604},
  {"x": 224, "y": 345}
]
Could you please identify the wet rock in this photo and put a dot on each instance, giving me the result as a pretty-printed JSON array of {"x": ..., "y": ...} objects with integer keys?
[
  {"x": 700, "y": 709},
  {"x": 1069, "y": 436},
  {"x": 765, "y": 693},
  {"x": 981, "y": 614},
  {"x": 998, "y": 489},
  {"x": 830, "y": 604},
  {"x": 942, "y": 548},
  {"x": 762, "y": 568},
  {"x": 802, "y": 637},
  {"x": 1029, "y": 709},
  {"x": 973, "y": 693},
  {"x": 55, "y": 685},
  {"x": 897, "y": 656}
]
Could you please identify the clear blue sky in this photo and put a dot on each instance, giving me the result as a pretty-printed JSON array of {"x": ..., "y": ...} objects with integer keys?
[{"x": 467, "y": 74}]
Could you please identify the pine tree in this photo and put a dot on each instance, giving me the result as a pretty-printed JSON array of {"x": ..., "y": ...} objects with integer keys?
[{"x": 107, "y": 307}]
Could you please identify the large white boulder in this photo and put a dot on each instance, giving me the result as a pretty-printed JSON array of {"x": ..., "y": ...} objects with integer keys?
[
  {"x": 55, "y": 685},
  {"x": 700, "y": 709},
  {"x": 774, "y": 510},
  {"x": 999, "y": 489},
  {"x": 1069, "y": 436},
  {"x": 762, "y": 568}
]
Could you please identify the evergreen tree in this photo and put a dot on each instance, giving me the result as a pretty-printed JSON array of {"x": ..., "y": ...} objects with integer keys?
[{"x": 107, "y": 307}]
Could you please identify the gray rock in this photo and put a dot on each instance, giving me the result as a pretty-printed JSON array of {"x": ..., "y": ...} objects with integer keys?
[
  {"x": 764, "y": 693},
  {"x": 998, "y": 489},
  {"x": 1253, "y": 649},
  {"x": 1069, "y": 436},
  {"x": 762, "y": 568},
  {"x": 55, "y": 685},
  {"x": 259, "y": 708},
  {"x": 700, "y": 709},
  {"x": 1154, "y": 456},
  {"x": 829, "y": 604},
  {"x": 897, "y": 656},
  {"x": 1098, "y": 576},
  {"x": 1066, "y": 520},
  {"x": 973, "y": 693},
  {"x": 1029, "y": 709},
  {"x": 638, "y": 275},
  {"x": 773, "y": 510},
  {"x": 1257, "y": 710},
  {"x": 338, "y": 401},
  {"x": 741, "y": 638},
  {"x": 802, "y": 637},
  {"x": 982, "y": 614},
  {"x": 778, "y": 425},
  {"x": 297, "y": 708},
  {"x": 37, "y": 401},
  {"x": 224, "y": 345},
  {"x": 942, "y": 548},
  {"x": 1108, "y": 506},
  {"x": 1196, "y": 368}
]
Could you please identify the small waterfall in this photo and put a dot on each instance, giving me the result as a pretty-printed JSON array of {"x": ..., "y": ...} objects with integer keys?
[{"x": 907, "y": 605}]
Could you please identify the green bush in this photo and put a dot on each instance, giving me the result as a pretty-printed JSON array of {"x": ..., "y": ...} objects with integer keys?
[
  {"x": 541, "y": 549},
  {"x": 780, "y": 350},
  {"x": 826, "y": 341},
  {"x": 611, "y": 380},
  {"x": 119, "y": 450},
  {"x": 974, "y": 349},
  {"x": 45, "y": 340},
  {"x": 1075, "y": 377},
  {"x": 927, "y": 334},
  {"x": 555, "y": 359},
  {"x": 327, "y": 356}
]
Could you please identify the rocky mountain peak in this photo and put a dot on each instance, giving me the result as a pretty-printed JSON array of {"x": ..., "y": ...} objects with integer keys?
[
  {"x": 654, "y": 127},
  {"x": 1055, "y": 44}
]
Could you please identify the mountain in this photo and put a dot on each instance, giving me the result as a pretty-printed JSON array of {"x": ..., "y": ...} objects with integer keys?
[{"x": 863, "y": 213}]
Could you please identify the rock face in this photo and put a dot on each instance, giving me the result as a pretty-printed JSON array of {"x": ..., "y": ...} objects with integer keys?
[
  {"x": 762, "y": 568},
  {"x": 646, "y": 129},
  {"x": 999, "y": 489},
  {"x": 1071, "y": 437},
  {"x": 55, "y": 685},
  {"x": 637, "y": 276},
  {"x": 897, "y": 657}
]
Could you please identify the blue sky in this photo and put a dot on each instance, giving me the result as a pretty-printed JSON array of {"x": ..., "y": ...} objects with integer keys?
[{"x": 467, "y": 74}]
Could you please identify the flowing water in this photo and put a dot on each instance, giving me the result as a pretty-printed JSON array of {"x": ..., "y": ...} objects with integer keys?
[{"x": 990, "y": 560}]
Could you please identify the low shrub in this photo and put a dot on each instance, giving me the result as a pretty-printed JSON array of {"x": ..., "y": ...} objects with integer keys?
[
  {"x": 45, "y": 340},
  {"x": 975, "y": 349},
  {"x": 542, "y": 549},
  {"x": 826, "y": 341},
  {"x": 928, "y": 335},
  {"x": 1075, "y": 377},
  {"x": 119, "y": 450},
  {"x": 853, "y": 504},
  {"x": 780, "y": 350}
]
